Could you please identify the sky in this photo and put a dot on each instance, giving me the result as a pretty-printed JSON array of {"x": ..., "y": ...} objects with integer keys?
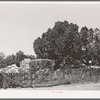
[{"x": 22, "y": 22}]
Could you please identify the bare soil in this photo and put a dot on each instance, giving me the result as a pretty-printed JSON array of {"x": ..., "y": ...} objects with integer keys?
[
  {"x": 85, "y": 86},
  {"x": 80, "y": 86}
]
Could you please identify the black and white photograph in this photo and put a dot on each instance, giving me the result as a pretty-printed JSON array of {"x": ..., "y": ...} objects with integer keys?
[{"x": 50, "y": 46}]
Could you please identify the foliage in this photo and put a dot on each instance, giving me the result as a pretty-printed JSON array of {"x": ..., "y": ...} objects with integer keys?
[
  {"x": 2, "y": 57},
  {"x": 67, "y": 45},
  {"x": 13, "y": 59},
  {"x": 60, "y": 42}
]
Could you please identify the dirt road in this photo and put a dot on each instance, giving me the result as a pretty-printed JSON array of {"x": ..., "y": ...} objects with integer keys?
[{"x": 85, "y": 86}]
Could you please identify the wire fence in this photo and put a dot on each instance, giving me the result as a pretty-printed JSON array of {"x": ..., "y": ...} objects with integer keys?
[
  {"x": 49, "y": 78},
  {"x": 69, "y": 76},
  {"x": 13, "y": 80}
]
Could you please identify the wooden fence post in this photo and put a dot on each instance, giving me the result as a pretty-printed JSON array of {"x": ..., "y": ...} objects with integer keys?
[
  {"x": 4, "y": 83},
  {"x": 30, "y": 75}
]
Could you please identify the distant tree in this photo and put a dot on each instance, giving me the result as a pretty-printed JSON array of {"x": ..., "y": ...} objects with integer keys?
[
  {"x": 30, "y": 56},
  {"x": 19, "y": 57},
  {"x": 15, "y": 59},
  {"x": 2, "y": 57},
  {"x": 10, "y": 59}
]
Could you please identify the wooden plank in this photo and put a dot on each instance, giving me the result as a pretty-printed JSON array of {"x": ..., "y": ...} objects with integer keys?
[
  {"x": 4, "y": 83},
  {"x": 11, "y": 80}
]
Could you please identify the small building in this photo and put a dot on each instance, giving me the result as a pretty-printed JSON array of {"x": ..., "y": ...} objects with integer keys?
[
  {"x": 24, "y": 65},
  {"x": 39, "y": 64},
  {"x": 36, "y": 64}
]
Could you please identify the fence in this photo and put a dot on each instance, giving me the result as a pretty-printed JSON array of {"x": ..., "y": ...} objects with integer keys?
[
  {"x": 13, "y": 80},
  {"x": 71, "y": 76},
  {"x": 82, "y": 75},
  {"x": 49, "y": 78}
]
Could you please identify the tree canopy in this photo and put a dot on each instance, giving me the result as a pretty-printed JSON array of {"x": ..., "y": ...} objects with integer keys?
[{"x": 64, "y": 42}]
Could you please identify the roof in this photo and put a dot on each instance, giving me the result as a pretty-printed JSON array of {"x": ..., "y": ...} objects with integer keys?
[
  {"x": 42, "y": 60},
  {"x": 10, "y": 69}
]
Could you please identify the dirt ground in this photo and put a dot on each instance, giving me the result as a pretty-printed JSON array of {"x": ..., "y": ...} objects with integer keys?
[{"x": 85, "y": 86}]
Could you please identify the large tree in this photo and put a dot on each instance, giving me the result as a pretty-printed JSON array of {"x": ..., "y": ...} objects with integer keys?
[
  {"x": 61, "y": 43},
  {"x": 66, "y": 45}
]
